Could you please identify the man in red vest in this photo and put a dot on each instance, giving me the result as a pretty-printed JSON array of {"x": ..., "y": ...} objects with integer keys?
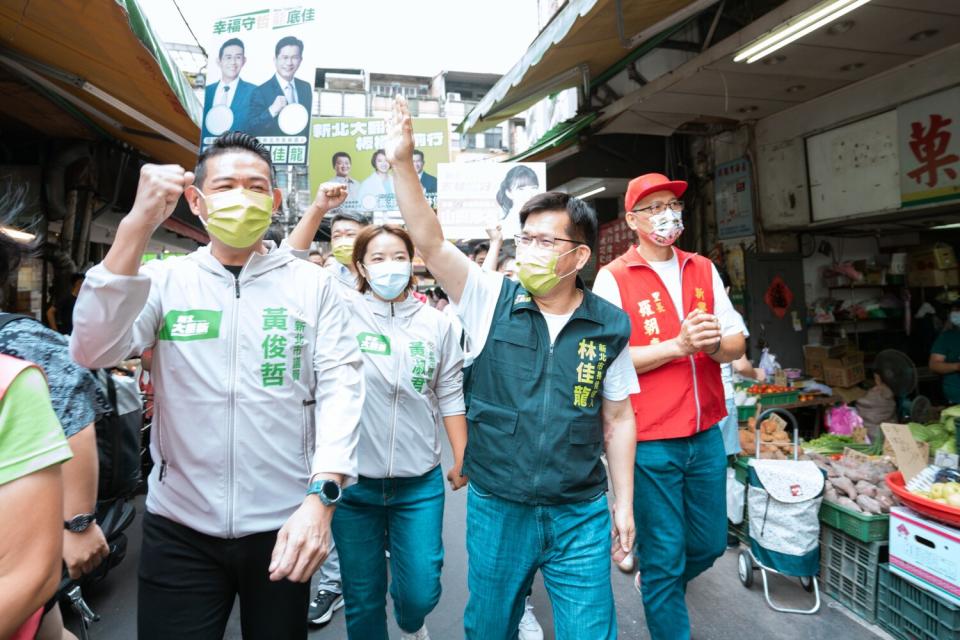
[{"x": 683, "y": 327}]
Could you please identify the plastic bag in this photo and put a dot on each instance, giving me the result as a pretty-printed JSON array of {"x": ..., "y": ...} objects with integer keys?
[
  {"x": 843, "y": 420},
  {"x": 768, "y": 362},
  {"x": 736, "y": 496}
]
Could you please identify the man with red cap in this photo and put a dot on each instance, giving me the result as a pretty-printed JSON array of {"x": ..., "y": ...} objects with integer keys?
[{"x": 683, "y": 327}]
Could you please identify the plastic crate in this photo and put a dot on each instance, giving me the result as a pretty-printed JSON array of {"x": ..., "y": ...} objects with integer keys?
[
  {"x": 909, "y": 612},
  {"x": 849, "y": 569},
  {"x": 776, "y": 399},
  {"x": 742, "y": 530},
  {"x": 863, "y": 527},
  {"x": 746, "y": 412},
  {"x": 740, "y": 466}
]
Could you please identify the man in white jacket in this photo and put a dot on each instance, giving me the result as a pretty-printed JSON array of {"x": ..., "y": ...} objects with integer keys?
[{"x": 250, "y": 348}]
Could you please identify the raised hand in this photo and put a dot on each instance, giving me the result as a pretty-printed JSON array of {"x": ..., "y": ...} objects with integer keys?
[
  {"x": 495, "y": 232},
  {"x": 157, "y": 193},
  {"x": 330, "y": 195},
  {"x": 399, "y": 140}
]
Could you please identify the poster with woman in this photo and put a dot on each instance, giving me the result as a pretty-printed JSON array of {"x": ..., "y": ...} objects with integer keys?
[
  {"x": 350, "y": 151},
  {"x": 473, "y": 196}
]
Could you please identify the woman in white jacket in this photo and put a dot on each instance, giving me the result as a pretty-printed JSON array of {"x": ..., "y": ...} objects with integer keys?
[{"x": 412, "y": 366}]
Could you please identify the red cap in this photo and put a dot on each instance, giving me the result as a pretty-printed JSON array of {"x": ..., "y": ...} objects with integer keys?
[{"x": 640, "y": 188}]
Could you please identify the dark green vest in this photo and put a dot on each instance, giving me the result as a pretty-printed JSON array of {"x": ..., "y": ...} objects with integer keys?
[{"x": 535, "y": 427}]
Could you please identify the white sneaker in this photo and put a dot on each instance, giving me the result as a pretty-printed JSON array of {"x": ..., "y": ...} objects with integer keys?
[
  {"x": 421, "y": 634},
  {"x": 529, "y": 627}
]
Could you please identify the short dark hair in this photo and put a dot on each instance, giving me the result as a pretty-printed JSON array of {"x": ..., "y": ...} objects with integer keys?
[
  {"x": 231, "y": 141},
  {"x": 363, "y": 241},
  {"x": 482, "y": 247},
  {"x": 582, "y": 223},
  {"x": 77, "y": 277},
  {"x": 340, "y": 154},
  {"x": 518, "y": 176},
  {"x": 232, "y": 42},
  {"x": 352, "y": 216},
  {"x": 417, "y": 152},
  {"x": 288, "y": 41},
  {"x": 373, "y": 158},
  {"x": 314, "y": 252}
]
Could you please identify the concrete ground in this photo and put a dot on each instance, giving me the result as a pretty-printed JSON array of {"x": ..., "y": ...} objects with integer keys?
[{"x": 720, "y": 607}]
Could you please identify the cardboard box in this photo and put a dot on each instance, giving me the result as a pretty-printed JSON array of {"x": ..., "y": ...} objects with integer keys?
[
  {"x": 849, "y": 359},
  {"x": 850, "y": 395},
  {"x": 925, "y": 552},
  {"x": 938, "y": 256},
  {"x": 934, "y": 278},
  {"x": 844, "y": 376},
  {"x": 814, "y": 369},
  {"x": 821, "y": 352}
]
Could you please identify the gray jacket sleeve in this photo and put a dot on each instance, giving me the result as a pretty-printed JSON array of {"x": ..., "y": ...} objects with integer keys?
[
  {"x": 449, "y": 386},
  {"x": 115, "y": 317},
  {"x": 340, "y": 388}
]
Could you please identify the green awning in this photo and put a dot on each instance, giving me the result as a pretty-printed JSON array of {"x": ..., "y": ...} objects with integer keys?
[{"x": 558, "y": 136}]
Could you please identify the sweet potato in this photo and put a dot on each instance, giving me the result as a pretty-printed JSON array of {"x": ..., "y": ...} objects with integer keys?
[
  {"x": 849, "y": 504},
  {"x": 864, "y": 488},
  {"x": 845, "y": 485},
  {"x": 869, "y": 504}
]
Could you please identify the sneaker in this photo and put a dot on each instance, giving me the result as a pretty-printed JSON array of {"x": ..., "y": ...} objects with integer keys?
[
  {"x": 529, "y": 627},
  {"x": 323, "y": 606},
  {"x": 636, "y": 583},
  {"x": 421, "y": 634}
]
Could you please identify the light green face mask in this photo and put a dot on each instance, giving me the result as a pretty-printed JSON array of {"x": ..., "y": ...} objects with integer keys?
[
  {"x": 239, "y": 217},
  {"x": 343, "y": 252},
  {"x": 537, "y": 271}
]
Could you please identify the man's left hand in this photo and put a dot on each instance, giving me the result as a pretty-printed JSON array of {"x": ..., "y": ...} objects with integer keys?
[
  {"x": 330, "y": 195},
  {"x": 83, "y": 552},
  {"x": 623, "y": 533},
  {"x": 303, "y": 542}
]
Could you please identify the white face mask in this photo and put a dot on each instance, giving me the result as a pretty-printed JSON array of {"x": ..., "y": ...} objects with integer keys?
[
  {"x": 666, "y": 227},
  {"x": 955, "y": 318},
  {"x": 388, "y": 279}
]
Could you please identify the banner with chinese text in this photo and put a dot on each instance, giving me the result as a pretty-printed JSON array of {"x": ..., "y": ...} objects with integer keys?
[
  {"x": 613, "y": 240},
  {"x": 475, "y": 195},
  {"x": 929, "y": 148},
  {"x": 350, "y": 150},
  {"x": 260, "y": 75},
  {"x": 733, "y": 195}
]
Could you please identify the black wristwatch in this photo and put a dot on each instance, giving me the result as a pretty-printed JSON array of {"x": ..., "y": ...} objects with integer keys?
[
  {"x": 79, "y": 523},
  {"x": 328, "y": 491}
]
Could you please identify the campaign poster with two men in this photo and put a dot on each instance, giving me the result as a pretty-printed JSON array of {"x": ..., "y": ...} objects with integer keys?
[{"x": 260, "y": 77}]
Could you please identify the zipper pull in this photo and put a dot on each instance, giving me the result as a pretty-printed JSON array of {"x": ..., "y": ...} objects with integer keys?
[
  {"x": 236, "y": 286},
  {"x": 163, "y": 469},
  {"x": 391, "y": 310}
]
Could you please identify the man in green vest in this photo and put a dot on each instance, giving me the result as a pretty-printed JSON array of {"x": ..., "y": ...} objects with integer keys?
[{"x": 548, "y": 392}]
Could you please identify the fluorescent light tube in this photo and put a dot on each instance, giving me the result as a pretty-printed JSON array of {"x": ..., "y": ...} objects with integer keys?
[{"x": 796, "y": 28}]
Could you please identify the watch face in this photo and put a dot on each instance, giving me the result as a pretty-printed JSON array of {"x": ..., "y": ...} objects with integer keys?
[
  {"x": 80, "y": 523},
  {"x": 331, "y": 491}
]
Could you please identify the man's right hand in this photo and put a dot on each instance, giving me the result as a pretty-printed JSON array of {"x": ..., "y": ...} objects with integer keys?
[
  {"x": 278, "y": 104},
  {"x": 161, "y": 185},
  {"x": 83, "y": 552},
  {"x": 699, "y": 331},
  {"x": 399, "y": 140},
  {"x": 495, "y": 232}
]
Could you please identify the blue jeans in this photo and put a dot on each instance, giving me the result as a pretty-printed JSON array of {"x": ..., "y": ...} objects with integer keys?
[
  {"x": 410, "y": 511},
  {"x": 680, "y": 508},
  {"x": 508, "y": 542}
]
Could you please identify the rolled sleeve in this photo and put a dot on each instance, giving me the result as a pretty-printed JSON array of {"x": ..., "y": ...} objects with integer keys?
[
  {"x": 339, "y": 391},
  {"x": 449, "y": 387}
]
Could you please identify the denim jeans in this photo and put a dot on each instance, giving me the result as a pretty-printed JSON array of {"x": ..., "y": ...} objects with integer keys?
[
  {"x": 410, "y": 511},
  {"x": 508, "y": 542},
  {"x": 680, "y": 508}
]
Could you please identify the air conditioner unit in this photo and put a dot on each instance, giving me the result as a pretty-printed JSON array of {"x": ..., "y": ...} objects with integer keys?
[{"x": 453, "y": 97}]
